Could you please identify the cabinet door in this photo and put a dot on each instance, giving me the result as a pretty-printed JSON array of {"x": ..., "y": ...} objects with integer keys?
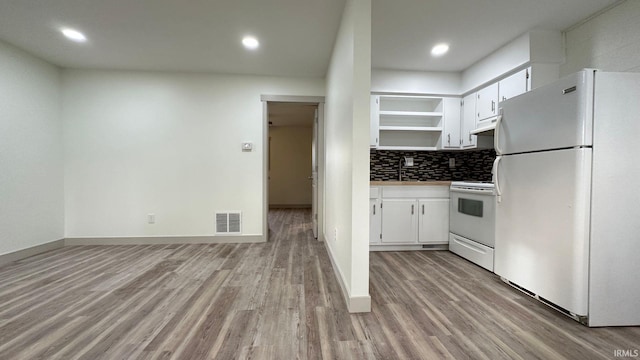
[
  {"x": 469, "y": 121},
  {"x": 451, "y": 126},
  {"x": 375, "y": 221},
  {"x": 433, "y": 221},
  {"x": 487, "y": 102},
  {"x": 374, "y": 134},
  {"x": 399, "y": 223},
  {"x": 513, "y": 85}
]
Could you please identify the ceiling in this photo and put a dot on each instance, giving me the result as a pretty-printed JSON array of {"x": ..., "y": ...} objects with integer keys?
[
  {"x": 296, "y": 36},
  {"x": 292, "y": 114},
  {"x": 404, "y": 31}
]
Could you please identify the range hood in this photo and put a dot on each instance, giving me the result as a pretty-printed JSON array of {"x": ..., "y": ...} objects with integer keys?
[{"x": 486, "y": 127}]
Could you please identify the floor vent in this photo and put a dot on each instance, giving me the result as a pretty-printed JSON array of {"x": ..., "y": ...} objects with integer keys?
[{"x": 228, "y": 222}]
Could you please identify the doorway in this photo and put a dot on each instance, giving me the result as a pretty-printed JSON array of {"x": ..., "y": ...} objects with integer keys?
[
  {"x": 293, "y": 155},
  {"x": 290, "y": 155}
]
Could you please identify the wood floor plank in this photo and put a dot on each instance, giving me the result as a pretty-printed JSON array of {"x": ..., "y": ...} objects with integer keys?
[
  {"x": 275, "y": 300},
  {"x": 171, "y": 335}
]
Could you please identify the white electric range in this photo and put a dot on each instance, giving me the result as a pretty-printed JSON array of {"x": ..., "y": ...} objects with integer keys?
[{"x": 472, "y": 221}]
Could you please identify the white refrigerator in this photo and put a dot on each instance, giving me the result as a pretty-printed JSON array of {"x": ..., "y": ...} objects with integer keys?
[{"x": 568, "y": 200}]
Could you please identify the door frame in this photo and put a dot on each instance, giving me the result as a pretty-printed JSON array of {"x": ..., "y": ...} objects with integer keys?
[{"x": 319, "y": 100}]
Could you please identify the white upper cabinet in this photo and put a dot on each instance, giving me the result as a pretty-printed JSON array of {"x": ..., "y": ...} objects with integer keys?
[
  {"x": 514, "y": 85},
  {"x": 452, "y": 122},
  {"x": 406, "y": 122},
  {"x": 468, "y": 122},
  {"x": 373, "y": 131},
  {"x": 486, "y": 103}
]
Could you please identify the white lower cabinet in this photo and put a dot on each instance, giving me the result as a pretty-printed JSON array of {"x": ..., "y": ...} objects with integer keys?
[
  {"x": 433, "y": 226},
  {"x": 375, "y": 216},
  {"x": 409, "y": 216},
  {"x": 399, "y": 221},
  {"x": 375, "y": 221}
]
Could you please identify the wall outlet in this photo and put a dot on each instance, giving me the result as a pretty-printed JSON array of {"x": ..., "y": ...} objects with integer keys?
[
  {"x": 452, "y": 163},
  {"x": 151, "y": 218},
  {"x": 335, "y": 234},
  {"x": 408, "y": 161}
]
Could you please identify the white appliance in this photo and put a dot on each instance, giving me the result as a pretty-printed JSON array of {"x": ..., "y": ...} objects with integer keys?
[
  {"x": 472, "y": 222},
  {"x": 566, "y": 176}
]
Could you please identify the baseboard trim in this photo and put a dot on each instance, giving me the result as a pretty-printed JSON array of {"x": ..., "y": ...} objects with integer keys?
[
  {"x": 31, "y": 251},
  {"x": 425, "y": 247},
  {"x": 355, "y": 304},
  {"x": 164, "y": 240}
]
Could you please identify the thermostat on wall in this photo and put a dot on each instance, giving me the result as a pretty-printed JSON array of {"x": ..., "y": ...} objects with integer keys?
[{"x": 247, "y": 146}]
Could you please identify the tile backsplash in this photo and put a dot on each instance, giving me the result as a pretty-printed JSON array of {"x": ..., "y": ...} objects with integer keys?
[{"x": 432, "y": 165}]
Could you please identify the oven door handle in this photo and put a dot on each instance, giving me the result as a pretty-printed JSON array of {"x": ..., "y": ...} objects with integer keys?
[{"x": 472, "y": 191}]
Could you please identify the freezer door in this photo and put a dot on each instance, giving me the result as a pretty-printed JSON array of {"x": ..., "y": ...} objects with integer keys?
[
  {"x": 555, "y": 116},
  {"x": 542, "y": 225}
]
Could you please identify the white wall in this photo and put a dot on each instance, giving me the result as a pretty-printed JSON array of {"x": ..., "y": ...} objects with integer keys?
[
  {"x": 168, "y": 144},
  {"x": 31, "y": 177},
  {"x": 290, "y": 165},
  {"x": 347, "y": 153},
  {"x": 538, "y": 46},
  {"x": 416, "y": 82},
  {"x": 609, "y": 41}
]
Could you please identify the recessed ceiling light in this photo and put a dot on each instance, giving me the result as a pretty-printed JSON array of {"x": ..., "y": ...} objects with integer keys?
[
  {"x": 74, "y": 35},
  {"x": 250, "y": 42},
  {"x": 440, "y": 49}
]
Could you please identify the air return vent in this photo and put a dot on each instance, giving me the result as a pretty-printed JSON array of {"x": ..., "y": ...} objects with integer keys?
[{"x": 228, "y": 222}]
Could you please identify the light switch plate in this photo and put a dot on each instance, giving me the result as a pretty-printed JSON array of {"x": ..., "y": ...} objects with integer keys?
[{"x": 247, "y": 146}]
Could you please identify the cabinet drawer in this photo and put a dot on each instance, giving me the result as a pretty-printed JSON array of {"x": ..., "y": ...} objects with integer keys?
[
  {"x": 414, "y": 192},
  {"x": 472, "y": 251},
  {"x": 374, "y": 192}
]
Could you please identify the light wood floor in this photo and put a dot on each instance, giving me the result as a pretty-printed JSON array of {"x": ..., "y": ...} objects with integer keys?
[{"x": 277, "y": 300}]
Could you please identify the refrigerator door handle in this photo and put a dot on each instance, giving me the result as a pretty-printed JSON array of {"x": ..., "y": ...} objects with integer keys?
[
  {"x": 496, "y": 132},
  {"x": 496, "y": 181}
]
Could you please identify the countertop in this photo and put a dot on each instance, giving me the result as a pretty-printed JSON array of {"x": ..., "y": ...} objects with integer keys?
[{"x": 409, "y": 183}]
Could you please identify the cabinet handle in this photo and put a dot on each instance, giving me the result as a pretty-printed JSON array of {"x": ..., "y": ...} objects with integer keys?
[
  {"x": 470, "y": 137},
  {"x": 374, "y": 209},
  {"x": 449, "y": 139},
  {"x": 493, "y": 106},
  {"x": 504, "y": 98},
  {"x": 422, "y": 209},
  {"x": 412, "y": 206}
]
